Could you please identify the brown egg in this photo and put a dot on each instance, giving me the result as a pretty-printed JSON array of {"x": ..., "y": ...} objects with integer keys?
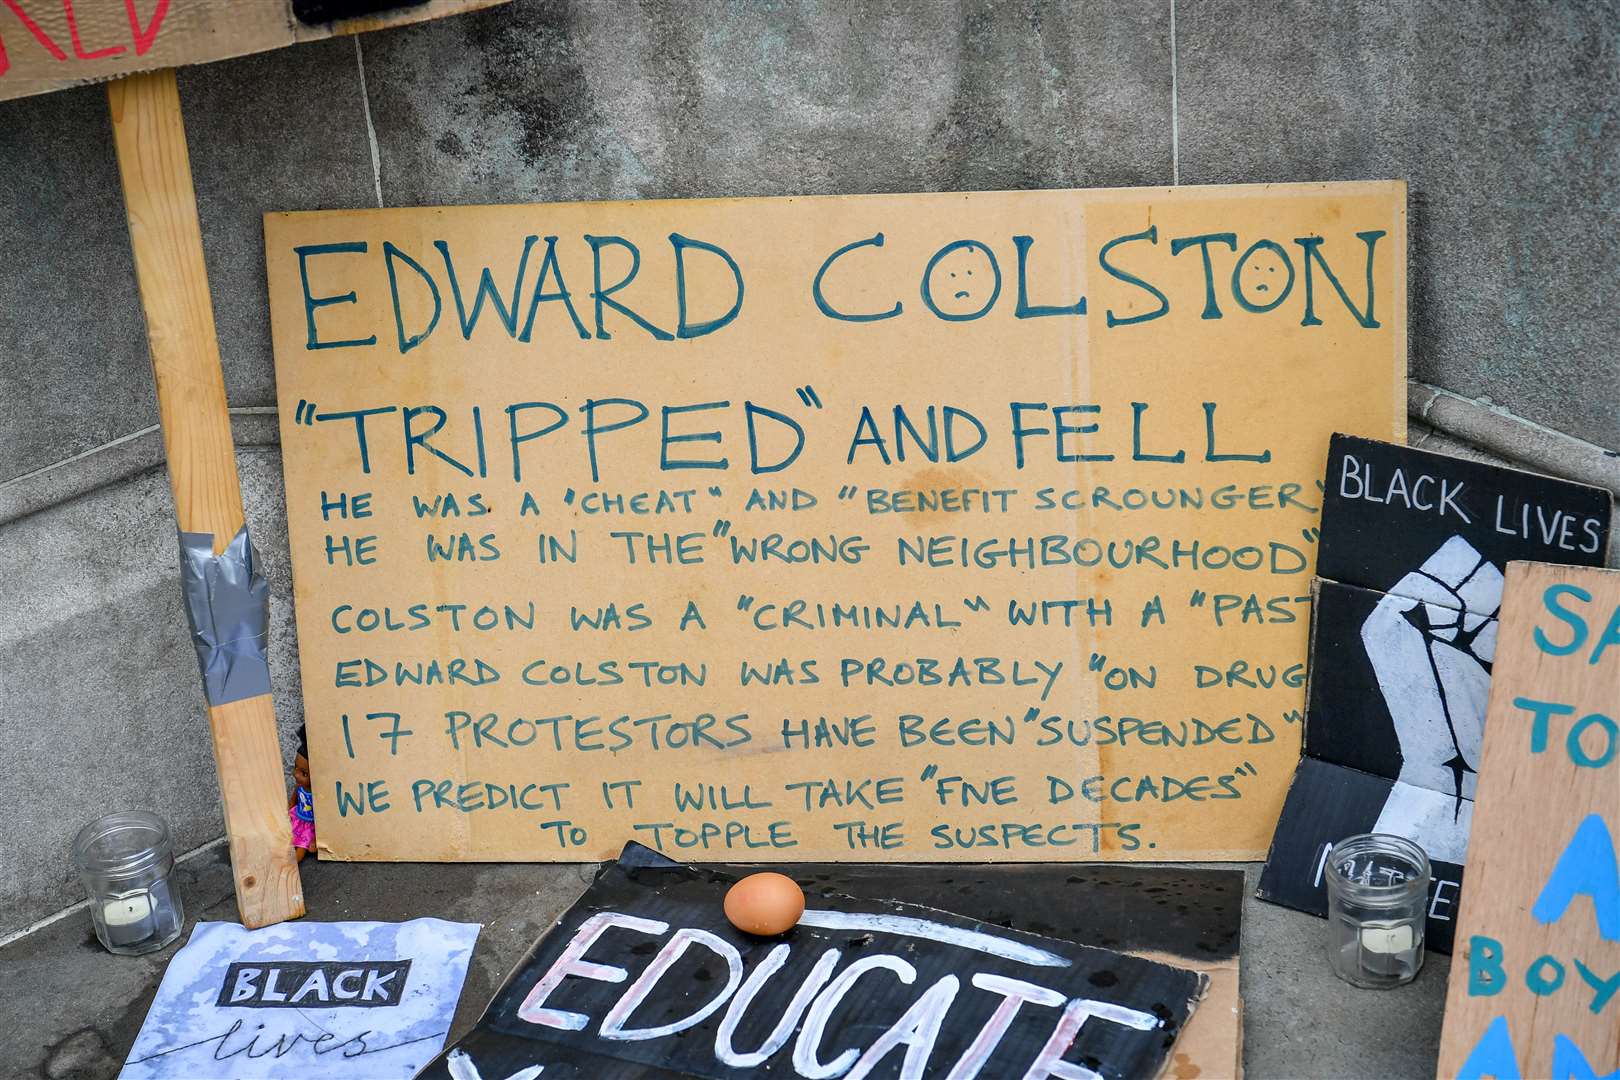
[{"x": 764, "y": 904}]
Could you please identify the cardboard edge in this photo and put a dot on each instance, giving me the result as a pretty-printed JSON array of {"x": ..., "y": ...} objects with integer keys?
[
  {"x": 1310, "y": 676},
  {"x": 1401, "y": 333},
  {"x": 1319, "y": 189},
  {"x": 1271, "y": 850}
]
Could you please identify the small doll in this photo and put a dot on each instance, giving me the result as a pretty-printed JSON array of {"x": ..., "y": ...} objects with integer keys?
[{"x": 301, "y": 808}]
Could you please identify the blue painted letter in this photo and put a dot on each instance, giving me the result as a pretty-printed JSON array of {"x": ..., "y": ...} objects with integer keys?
[
  {"x": 1586, "y": 868},
  {"x": 1492, "y": 1056},
  {"x": 692, "y": 330},
  {"x": 312, "y": 302}
]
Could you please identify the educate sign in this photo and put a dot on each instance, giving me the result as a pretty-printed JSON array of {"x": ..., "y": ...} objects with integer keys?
[
  {"x": 930, "y": 527},
  {"x": 48, "y": 45},
  {"x": 644, "y": 978},
  {"x": 1534, "y": 991}
]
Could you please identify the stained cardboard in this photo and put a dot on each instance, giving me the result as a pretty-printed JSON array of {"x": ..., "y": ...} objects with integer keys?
[
  {"x": 49, "y": 45},
  {"x": 1531, "y": 990},
  {"x": 916, "y": 688}
]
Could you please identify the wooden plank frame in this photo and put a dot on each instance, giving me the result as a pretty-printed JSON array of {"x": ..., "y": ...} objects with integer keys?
[{"x": 166, "y": 240}]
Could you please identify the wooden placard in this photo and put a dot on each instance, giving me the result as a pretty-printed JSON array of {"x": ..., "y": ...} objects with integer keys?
[
  {"x": 138, "y": 52},
  {"x": 49, "y": 45},
  {"x": 1534, "y": 991},
  {"x": 929, "y": 527}
]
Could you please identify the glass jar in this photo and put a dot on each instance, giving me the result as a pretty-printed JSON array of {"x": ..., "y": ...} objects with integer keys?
[
  {"x": 1378, "y": 890},
  {"x": 124, "y": 860}
]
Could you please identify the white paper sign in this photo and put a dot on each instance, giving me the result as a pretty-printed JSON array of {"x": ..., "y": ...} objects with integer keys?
[{"x": 352, "y": 1000}]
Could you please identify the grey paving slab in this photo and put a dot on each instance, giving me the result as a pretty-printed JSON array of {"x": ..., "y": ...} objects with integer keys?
[
  {"x": 1300, "y": 1020},
  {"x": 1504, "y": 118},
  {"x": 85, "y": 1006},
  {"x": 539, "y": 101},
  {"x": 282, "y": 130},
  {"x": 73, "y": 366},
  {"x": 99, "y": 693}
]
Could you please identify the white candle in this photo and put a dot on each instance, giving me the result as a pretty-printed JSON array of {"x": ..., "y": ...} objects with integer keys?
[
  {"x": 127, "y": 919},
  {"x": 1387, "y": 939}
]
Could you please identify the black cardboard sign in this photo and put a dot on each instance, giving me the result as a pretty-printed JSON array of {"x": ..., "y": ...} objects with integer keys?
[
  {"x": 1401, "y": 688},
  {"x": 1403, "y": 635},
  {"x": 1389, "y": 509},
  {"x": 1414, "y": 546},
  {"x": 1329, "y": 802},
  {"x": 643, "y": 977}
]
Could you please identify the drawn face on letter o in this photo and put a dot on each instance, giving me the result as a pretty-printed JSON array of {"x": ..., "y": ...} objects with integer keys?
[
  {"x": 961, "y": 281},
  {"x": 1264, "y": 276}
]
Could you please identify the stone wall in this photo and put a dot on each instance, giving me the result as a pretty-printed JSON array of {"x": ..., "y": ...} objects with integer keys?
[{"x": 1503, "y": 117}]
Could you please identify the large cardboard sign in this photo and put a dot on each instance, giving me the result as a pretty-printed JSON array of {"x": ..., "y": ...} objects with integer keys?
[
  {"x": 920, "y": 527},
  {"x": 47, "y": 45},
  {"x": 644, "y": 978},
  {"x": 1535, "y": 991},
  {"x": 1402, "y": 645}
]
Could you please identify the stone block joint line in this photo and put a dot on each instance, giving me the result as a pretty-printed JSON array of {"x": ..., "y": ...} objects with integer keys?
[
  {"x": 371, "y": 128},
  {"x": 1175, "y": 104}
]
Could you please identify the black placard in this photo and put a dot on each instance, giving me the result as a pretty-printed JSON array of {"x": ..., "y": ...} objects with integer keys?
[
  {"x": 1329, "y": 802},
  {"x": 1401, "y": 688},
  {"x": 1388, "y": 509},
  {"x": 316, "y": 12},
  {"x": 906, "y": 971},
  {"x": 1194, "y": 915},
  {"x": 1403, "y": 635}
]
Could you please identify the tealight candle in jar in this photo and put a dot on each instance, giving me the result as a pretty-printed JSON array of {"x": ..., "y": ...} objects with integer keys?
[
  {"x": 128, "y": 919},
  {"x": 1378, "y": 887},
  {"x": 124, "y": 861}
]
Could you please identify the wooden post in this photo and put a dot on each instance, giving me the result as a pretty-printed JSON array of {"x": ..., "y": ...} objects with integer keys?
[{"x": 167, "y": 242}]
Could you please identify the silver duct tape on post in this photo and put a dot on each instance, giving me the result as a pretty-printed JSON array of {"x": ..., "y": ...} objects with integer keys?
[{"x": 228, "y": 606}]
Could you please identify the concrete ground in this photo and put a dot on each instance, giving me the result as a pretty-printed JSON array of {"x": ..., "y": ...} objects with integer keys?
[{"x": 69, "y": 1010}]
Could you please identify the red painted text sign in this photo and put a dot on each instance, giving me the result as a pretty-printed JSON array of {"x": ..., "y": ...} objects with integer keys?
[{"x": 47, "y": 45}]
